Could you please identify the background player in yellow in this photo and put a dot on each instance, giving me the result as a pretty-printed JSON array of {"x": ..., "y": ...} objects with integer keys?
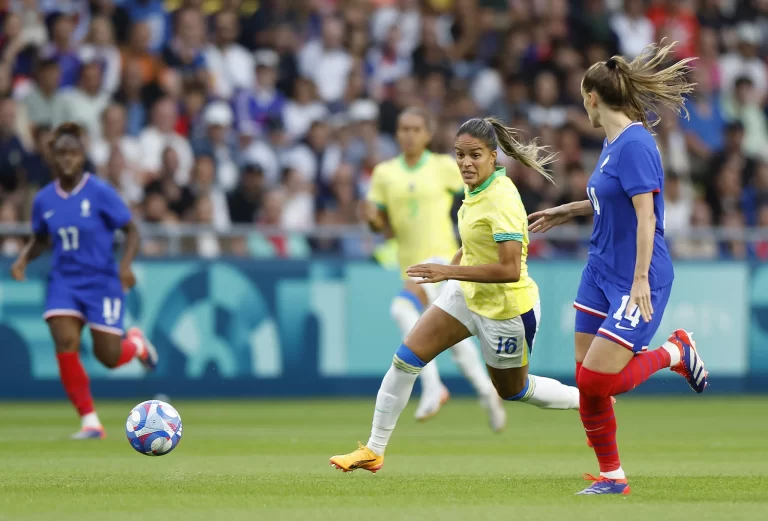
[
  {"x": 410, "y": 200},
  {"x": 488, "y": 294}
]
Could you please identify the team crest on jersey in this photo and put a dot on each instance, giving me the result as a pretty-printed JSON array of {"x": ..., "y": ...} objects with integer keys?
[
  {"x": 85, "y": 208},
  {"x": 605, "y": 162}
]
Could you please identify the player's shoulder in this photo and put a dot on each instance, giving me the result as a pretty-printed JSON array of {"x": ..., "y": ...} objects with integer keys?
[
  {"x": 96, "y": 184},
  {"x": 388, "y": 167},
  {"x": 46, "y": 193},
  {"x": 634, "y": 137},
  {"x": 503, "y": 186}
]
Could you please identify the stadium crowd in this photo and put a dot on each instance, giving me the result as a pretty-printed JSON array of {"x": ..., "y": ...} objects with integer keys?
[{"x": 275, "y": 112}]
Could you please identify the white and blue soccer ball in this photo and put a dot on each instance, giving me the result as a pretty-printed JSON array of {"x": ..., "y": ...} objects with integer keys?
[{"x": 153, "y": 428}]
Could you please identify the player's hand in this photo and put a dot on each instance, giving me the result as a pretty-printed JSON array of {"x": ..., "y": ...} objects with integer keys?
[
  {"x": 127, "y": 278},
  {"x": 429, "y": 273},
  {"x": 545, "y": 220},
  {"x": 640, "y": 298},
  {"x": 18, "y": 269}
]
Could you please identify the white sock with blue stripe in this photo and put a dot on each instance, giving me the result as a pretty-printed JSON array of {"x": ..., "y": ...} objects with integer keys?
[
  {"x": 547, "y": 393},
  {"x": 395, "y": 390}
]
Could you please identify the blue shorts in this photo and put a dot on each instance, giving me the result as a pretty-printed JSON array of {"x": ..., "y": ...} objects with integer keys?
[
  {"x": 97, "y": 301},
  {"x": 601, "y": 308}
]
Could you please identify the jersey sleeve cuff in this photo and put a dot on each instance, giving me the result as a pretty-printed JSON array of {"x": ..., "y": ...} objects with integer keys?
[
  {"x": 504, "y": 237},
  {"x": 643, "y": 190}
]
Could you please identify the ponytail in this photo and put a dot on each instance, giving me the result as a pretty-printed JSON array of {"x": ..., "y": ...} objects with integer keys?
[
  {"x": 524, "y": 153},
  {"x": 641, "y": 88}
]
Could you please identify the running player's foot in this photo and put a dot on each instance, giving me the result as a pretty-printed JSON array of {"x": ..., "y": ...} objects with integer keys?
[
  {"x": 147, "y": 353},
  {"x": 497, "y": 415},
  {"x": 90, "y": 433},
  {"x": 589, "y": 443},
  {"x": 362, "y": 458},
  {"x": 691, "y": 366},
  {"x": 602, "y": 485},
  {"x": 431, "y": 402}
]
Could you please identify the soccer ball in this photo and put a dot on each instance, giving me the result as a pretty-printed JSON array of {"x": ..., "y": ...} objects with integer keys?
[{"x": 153, "y": 428}]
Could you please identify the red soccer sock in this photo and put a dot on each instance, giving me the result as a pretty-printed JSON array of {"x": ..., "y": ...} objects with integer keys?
[
  {"x": 75, "y": 381},
  {"x": 637, "y": 371},
  {"x": 600, "y": 425},
  {"x": 127, "y": 352}
]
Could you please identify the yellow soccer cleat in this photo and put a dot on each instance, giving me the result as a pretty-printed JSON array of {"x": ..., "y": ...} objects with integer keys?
[{"x": 362, "y": 458}]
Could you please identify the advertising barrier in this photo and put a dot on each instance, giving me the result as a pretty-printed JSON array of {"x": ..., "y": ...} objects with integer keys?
[{"x": 322, "y": 328}]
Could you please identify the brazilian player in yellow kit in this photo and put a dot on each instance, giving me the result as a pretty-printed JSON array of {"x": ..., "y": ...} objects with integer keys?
[
  {"x": 488, "y": 294},
  {"x": 410, "y": 199}
]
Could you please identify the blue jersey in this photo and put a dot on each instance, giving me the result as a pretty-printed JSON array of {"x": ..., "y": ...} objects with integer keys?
[
  {"x": 82, "y": 226},
  {"x": 628, "y": 166}
]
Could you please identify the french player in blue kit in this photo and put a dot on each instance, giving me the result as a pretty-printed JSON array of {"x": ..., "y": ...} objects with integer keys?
[
  {"x": 627, "y": 281},
  {"x": 78, "y": 214}
]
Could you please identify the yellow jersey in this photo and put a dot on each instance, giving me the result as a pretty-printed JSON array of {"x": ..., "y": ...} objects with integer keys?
[
  {"x": 493, "y": 213},
  {"x": 418, "y": 202}
]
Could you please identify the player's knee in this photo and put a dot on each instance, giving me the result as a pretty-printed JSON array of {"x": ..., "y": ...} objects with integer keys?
[
  {"x": 592, "y": 385},
  {"x": 407, "y": 361},
  {"x": 513, "y": 389},
  {"x": 67, "y": 344}
]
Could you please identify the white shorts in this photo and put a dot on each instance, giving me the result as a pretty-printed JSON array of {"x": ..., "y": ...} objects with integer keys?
[
  {"x": 432, "y": 290},
  {"x": 505, "y": 344}
]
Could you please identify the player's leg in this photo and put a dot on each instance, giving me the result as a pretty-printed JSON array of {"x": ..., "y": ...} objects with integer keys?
[
  {"x": 507, "y": 346},
  {"x": 406, "y": 309},
  {"x": 467, "y": 357},
  {"x": 112, "y": 347},
  {"x": 66, "y": 327},
  {"x": 443, "y": 325},
  {"x": 617, "y": 362}
]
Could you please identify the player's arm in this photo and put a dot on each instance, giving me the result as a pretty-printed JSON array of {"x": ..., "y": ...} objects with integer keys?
[
  {"x": 132, "y": 243},
  {"x": 545, "y": 220},
  {"x": 506, "y": 270},
  {"x": 376, "y": 205},
  {"x": 457, "y": 258},
  {"x": 36, "y": 245},
  {"x": 638, "y": 171}
]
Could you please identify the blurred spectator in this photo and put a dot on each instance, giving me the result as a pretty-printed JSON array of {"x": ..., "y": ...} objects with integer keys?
[
  {"x": 302, "y": 109},
  {"x": 138, "y": 53},
  {"x": 387, "y": 64},
  {"x": 368, "y": 147},
  {"x": 161, "y": 134},
  {"x": 298, "y": 202},
  {"x": 676, "y": 20},
  {"x": 62, "y": 49},
  {"x": 745, "y": 63},
  {"x": 100, "y": 48},
  {"x": 116, "y": 173},
  {"x": 546, "y": 111},
  {"x": 230, "y": 64},
  {"x": 84, "y": 104},
  {"x": 245, "y": 202},
  {"x": 633, "y": 29},
  {"x": 253, "y": 106},
  {"x": 706, "y": 122},
  {"x": 152, "y": 15},
  {"x": 203, "y": 186},
  {"x": 678, "y": 204},
  {"x": 404, "y": 14},
  {"x": 326, "y": 62},
  {"x": 184, "y": 53},
  {"x": 219, "y": 143},
  {"x": 12, "y": 152},
  {"x": 113, "y": 135},
  {"x": 178, "y": 200},
  {"x": 44, "y": 102},
  {"x": 38, "y": 162},
  {"x": 286, "y": 46},
  {"x": 743, "y": 106},
  {"x": 701, "y": 218},
  {"x": 317, "y": 157}
]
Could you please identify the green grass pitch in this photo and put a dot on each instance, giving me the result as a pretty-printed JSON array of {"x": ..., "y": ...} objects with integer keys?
[{"x": 694, "y": 458}]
